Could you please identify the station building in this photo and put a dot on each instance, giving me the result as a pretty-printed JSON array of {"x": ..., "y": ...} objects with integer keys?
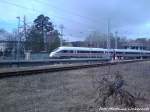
[{"x": 135, "y": 45}]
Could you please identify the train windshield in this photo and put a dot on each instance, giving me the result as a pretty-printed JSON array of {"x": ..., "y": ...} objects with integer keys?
[{"x": 55, "y": 50}]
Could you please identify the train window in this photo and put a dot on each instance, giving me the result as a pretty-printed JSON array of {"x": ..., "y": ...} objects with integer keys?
[
  {"x": 64, "y": 51},
  {"x": 93, "y": 52},
  {"x": 119, "y": 52},
  {"x": 67, "y": 51},
  {"x": 132, "y": 52},
  {"x": 136, "y": 52},
  {"x": 100, "y": 51},
  {"x": 71, "y": 51},
  {"x": 55, "y": 50},
  {"x": 87, "y": 51},
  {"x": 90, "y": 51},
  {"x": 97, "y": 52},
  {"x": 79, "y": 51},
  {"x": 127, "y": 53},
  {"x": 83, "y": 51}
]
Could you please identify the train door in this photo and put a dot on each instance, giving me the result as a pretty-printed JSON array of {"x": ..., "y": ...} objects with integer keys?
[{"x": 75, "y": 53}]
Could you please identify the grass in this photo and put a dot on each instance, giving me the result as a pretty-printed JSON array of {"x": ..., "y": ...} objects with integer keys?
[{"x": 71, "y": 91}]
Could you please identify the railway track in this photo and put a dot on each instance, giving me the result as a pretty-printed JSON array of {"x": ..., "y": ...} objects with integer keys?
[
  {"x": 27, "y": 63},
  {"x": 55, "y": 68}
]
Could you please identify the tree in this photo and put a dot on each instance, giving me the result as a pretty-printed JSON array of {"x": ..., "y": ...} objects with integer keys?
[
  {"x": 96, "y": 39},
  {"x": 43, "y": 25},
  {"x": 34, "y": 40},
  {"x": 53, "y": 40},
  {"x": 3, "y": 34},
  {"x": 42, "y": 35}
]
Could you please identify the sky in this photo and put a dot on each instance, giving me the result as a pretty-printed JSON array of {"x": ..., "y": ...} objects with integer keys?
[{"x": 130, "y": 18}]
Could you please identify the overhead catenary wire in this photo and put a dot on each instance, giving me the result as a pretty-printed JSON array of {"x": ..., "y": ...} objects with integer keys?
[
  {"x": 67, "y": 11},
  {"x": 56, "y": 16},
  {"x": 69, "y": 20}
]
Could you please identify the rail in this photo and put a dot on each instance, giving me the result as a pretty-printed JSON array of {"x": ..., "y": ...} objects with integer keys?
[
  {"x": 45, "y": 69},
  {"x": 23, "y": 63}
]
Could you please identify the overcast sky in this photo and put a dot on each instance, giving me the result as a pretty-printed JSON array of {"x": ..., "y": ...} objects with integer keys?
[{"x": 130, "y": 18}]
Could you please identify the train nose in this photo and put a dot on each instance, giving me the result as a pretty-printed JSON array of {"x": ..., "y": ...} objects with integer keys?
[{"x": 52, "y": 54}]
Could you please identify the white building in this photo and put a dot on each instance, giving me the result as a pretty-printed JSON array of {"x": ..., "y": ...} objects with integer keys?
[{"x": 2, "y": 47}]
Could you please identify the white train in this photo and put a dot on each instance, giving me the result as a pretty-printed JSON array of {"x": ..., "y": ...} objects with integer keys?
[{"x": 84, "y": 52}]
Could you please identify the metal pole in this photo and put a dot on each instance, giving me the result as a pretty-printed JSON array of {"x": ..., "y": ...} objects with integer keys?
[
  {"x": 108, "y": 36},
  {"x": 25, "y": 34},
  {"x": 14, "y": 46},
  {"x": 61, "y": 39},
  {"x": 25, "y": 29},
  {"x": 116, "y": 40},
  {"x": 19, "y": 39},
  {"x": 45, "y": 39}
]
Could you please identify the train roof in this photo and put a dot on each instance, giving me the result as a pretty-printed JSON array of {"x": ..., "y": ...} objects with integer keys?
[
  {"x": 100, "y": 49},
  {"x": 81, "y": 48},
  {"x": 131, "y": 50}
]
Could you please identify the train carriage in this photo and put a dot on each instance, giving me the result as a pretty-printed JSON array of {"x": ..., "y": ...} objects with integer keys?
[{"x": 84, "y": 52}]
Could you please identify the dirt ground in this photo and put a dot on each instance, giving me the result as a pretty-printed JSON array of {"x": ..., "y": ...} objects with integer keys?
[{"x": 70, "y": 91}]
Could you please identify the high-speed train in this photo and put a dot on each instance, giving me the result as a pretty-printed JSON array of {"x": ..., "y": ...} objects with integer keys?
[{"x": 85, "y": 52}]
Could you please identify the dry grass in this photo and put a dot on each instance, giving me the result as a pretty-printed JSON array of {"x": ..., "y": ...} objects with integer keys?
[{"x": 71, "y": 91}]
